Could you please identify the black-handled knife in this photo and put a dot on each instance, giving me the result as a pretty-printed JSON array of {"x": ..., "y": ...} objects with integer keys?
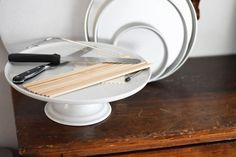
[
  {"x": 31, "y": 73},
  {"x": 21, "y": 78},
  {"x": 54, "y": 59}
]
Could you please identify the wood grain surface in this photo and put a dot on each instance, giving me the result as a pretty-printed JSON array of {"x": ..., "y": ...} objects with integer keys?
[
  {"x": 195, "y": 106},
  {"x": 221, "y": 149}
]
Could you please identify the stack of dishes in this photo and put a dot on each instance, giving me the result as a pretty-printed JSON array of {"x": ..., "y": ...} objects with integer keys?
[{"x": 163, "y": 32}]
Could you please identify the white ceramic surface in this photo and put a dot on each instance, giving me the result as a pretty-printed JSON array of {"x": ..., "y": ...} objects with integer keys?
[
  {"x": 82, "y": 99},
  {"x": 161, "y": 15},
  {"x": 134, "y": 38},
  {"x": 90, "y": 18},
  {"x": 95, "y": 7},
  {"x": 190, "y": 44},
  {"x": 183, "y": 7},
  {"x": 77, "y": 115},
  {"x": 194, "y": 33}
]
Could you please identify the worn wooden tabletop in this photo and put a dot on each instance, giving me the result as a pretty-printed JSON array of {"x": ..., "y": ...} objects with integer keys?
[{"x": 194, "y": 106}]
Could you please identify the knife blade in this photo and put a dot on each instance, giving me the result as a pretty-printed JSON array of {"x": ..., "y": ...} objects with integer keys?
[
  {"x": 31, "y": 73},
  {"x": 56, "y": 59}
]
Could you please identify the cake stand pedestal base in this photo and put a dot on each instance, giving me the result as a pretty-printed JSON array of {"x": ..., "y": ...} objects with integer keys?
[{"x": 79, "y": 114}]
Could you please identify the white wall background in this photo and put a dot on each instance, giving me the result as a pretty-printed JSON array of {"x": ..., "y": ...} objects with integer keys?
[
  {"x": 217, "y": 36},
  {"x": 217, "y": 28}
]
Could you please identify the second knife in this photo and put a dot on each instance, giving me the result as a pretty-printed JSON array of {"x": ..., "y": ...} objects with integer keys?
[{"x": 56, "y": 59}]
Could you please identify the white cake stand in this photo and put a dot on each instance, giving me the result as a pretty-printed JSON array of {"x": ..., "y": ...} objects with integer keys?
[{"x": 83, "y": 107}]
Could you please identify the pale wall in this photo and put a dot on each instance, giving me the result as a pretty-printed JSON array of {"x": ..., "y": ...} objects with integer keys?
[{"x": 217, "y": 28}]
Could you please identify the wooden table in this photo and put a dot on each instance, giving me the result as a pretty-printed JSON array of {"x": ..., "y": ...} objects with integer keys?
[{"x": 190, "y": 114}]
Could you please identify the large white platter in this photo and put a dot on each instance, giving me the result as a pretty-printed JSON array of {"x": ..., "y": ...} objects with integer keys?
[
  {"x": 96, "y": 6},
  {"x": 82, "y": 107},
  {"x": 193, "y": 36},
  {"x": 183, "y": 7},
  {"x": 194, "y": 33},
  {"x": 159, "y": 14}
]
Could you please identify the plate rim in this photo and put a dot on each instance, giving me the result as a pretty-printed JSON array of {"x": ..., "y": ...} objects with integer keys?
[
  {"x": 184, "y": 50},
  {"x": 86, "y": 20},
  {"x": 192, "y": 39}
]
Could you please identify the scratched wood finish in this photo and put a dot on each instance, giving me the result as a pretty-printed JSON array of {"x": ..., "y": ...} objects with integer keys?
[
  {"x": 226, "y": 149},
  {"x": 196, "y": 105}
]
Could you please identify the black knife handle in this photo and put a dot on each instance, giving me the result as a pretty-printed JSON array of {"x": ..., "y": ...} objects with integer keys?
[
  {"x": 21, "y": 78},
  {"x": 54, "y": 59}
]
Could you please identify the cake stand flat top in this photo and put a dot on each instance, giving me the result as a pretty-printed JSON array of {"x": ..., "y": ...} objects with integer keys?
[{"x": 104, "y": 92}]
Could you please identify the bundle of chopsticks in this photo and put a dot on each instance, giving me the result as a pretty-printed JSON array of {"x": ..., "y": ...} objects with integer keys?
[{"x": 82, "y": 78}]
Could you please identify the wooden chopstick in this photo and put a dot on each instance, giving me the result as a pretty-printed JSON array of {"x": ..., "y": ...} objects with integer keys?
[
  {"x": 81, "y": 78},
  {"x": 60, "y": 76},
  {"x": 69, "y": 75},
  {"x": 66, "y": 81}
]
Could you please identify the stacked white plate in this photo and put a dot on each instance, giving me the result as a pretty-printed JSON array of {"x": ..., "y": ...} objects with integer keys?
[{"x": 163, "y": 32}]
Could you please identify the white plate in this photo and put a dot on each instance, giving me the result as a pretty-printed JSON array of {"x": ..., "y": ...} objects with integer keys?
[
  {"x": 134, "y": 37},
  {"x": 161, "y": 14},
  {"x": 96, "y": 6},
  {"x": 191, "y": 41},
  {"x": 90, "y": 18},
  {"x": 194, "y": 33},
  {"x": 183, "y": 7}
]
